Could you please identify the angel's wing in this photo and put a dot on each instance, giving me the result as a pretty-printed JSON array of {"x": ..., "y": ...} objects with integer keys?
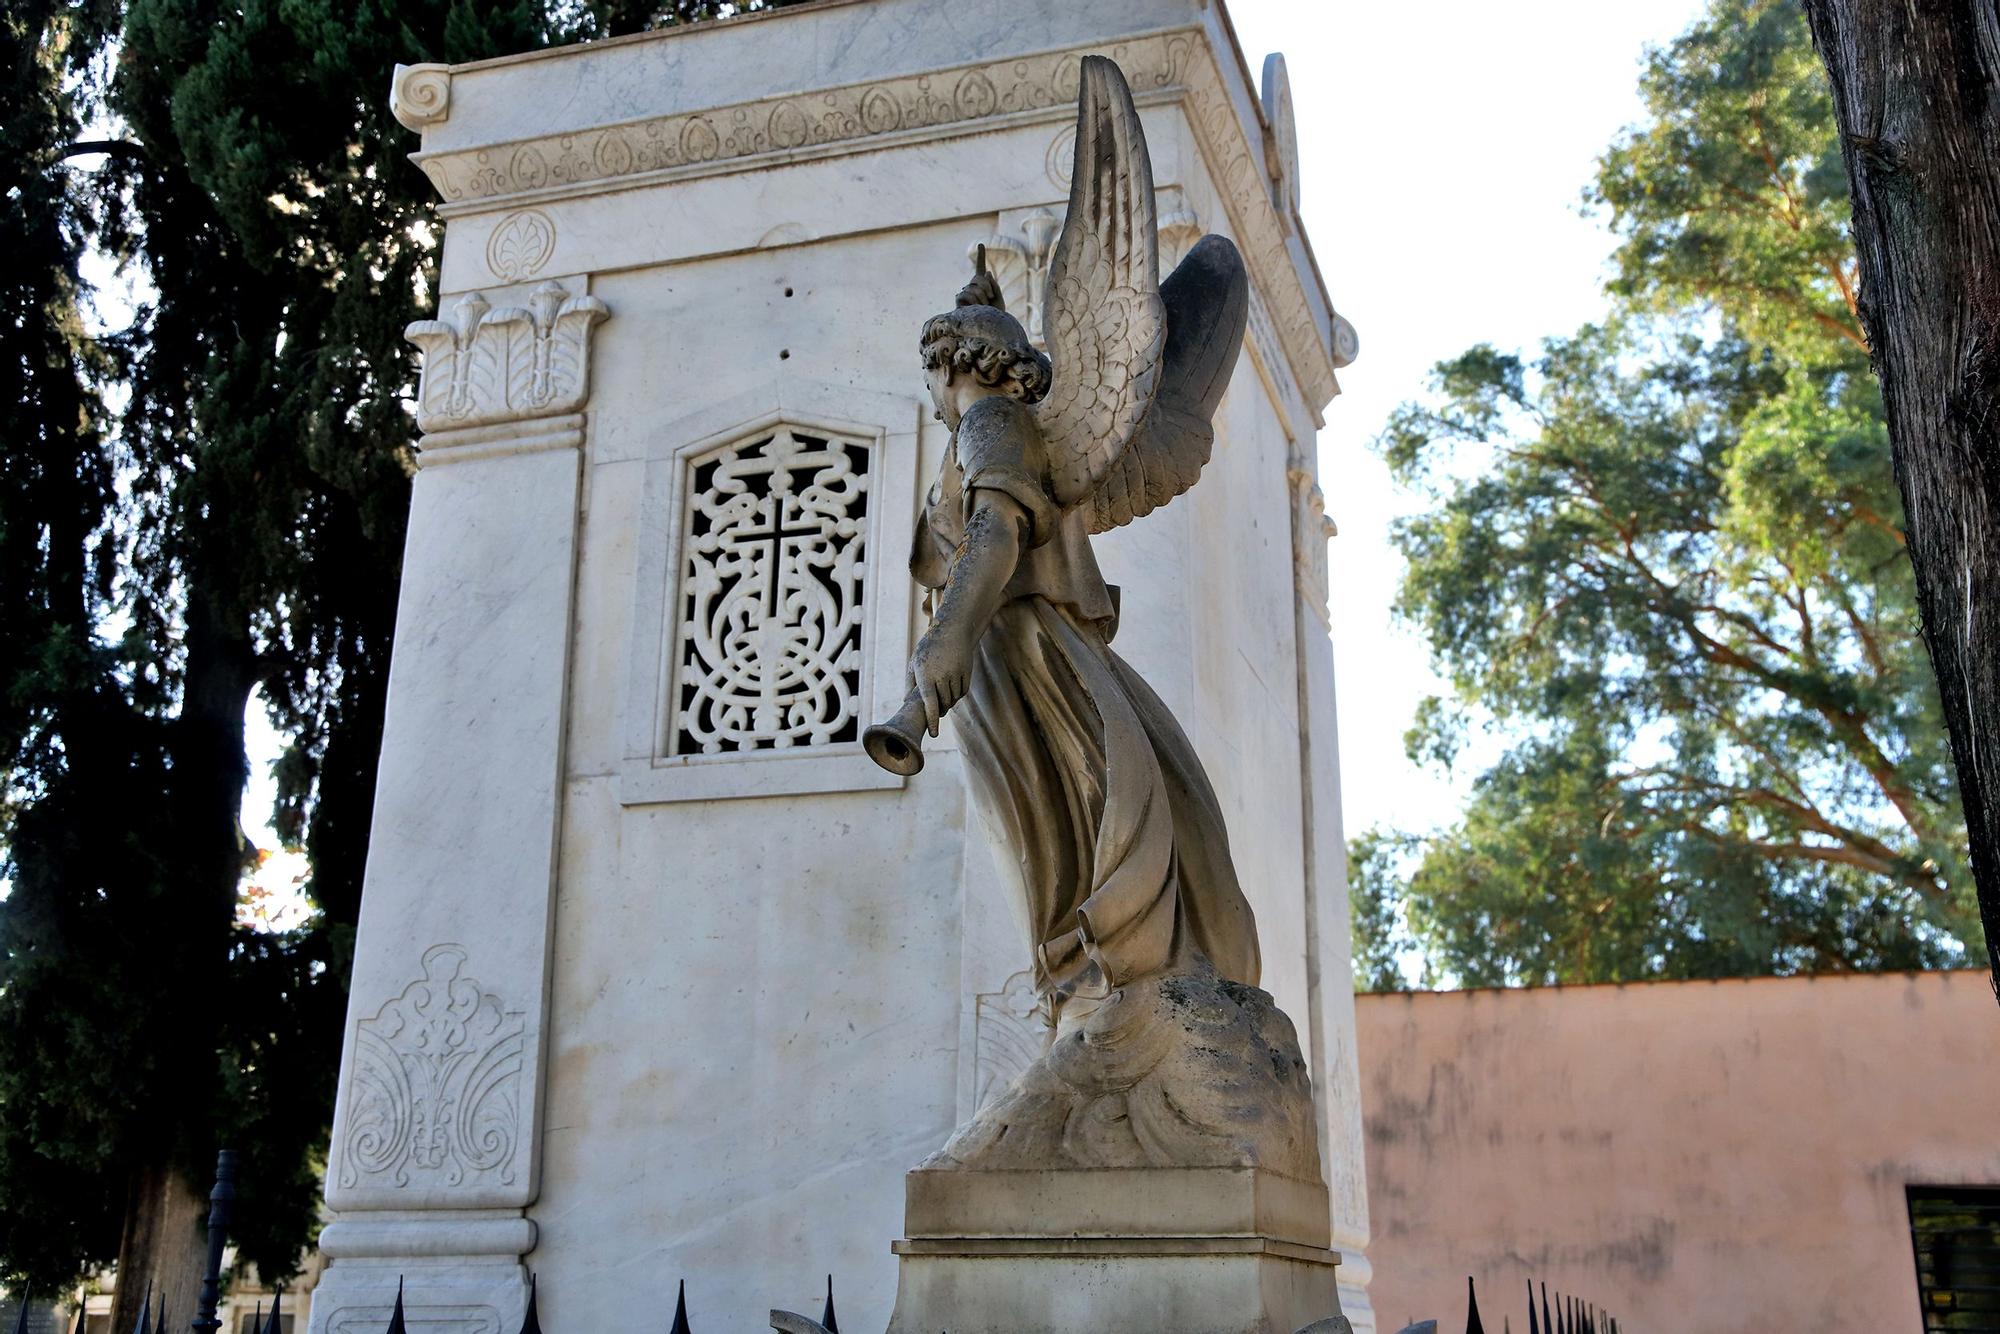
[
  {"x": 1105, "y": 321},
  {"x": 1207, "y": 302}
]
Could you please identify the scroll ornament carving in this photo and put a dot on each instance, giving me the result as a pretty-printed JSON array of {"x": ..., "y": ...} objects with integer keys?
[
  {"x": 1281, "y": 138},
  {"x": 435, "y": 1093},
  {"x": 769, "y": 648},
  {"x": 420, "y": 95},
  {"x": 484, "y": 363},
  {"x": 1346, "y": 342}
]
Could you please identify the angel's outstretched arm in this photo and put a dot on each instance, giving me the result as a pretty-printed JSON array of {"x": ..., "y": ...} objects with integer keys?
[{"x": 996, "y": 533}]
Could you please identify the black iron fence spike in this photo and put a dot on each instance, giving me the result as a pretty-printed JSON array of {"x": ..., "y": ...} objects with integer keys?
[
  {"x": 681, "y": 1311},
  {"x": 1533, "y": 1328},
  {"x": 396, "y": 1325},
  {"x": 276, "y": 1326},
  {"x": 827, "y": 1319},
  {"x": 145, "y": 1322},
  {"x": 27, "y": 1295},
  {"x": 221, "y": 1204},
  {"x": 1548, "y": 1326},
  {"x": 1472, "y": 1321}
]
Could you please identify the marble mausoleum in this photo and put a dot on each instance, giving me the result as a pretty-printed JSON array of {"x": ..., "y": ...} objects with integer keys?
[{"x": 658, "y": 975}]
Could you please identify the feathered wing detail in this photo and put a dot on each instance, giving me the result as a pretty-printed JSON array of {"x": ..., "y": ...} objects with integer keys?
[
  {"x": 1207, "y": 300},
  {"x": 1105, "y": 320}
]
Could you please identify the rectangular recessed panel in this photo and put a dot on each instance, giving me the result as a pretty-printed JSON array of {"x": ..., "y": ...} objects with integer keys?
[{"x": 1956, "y": 1232}]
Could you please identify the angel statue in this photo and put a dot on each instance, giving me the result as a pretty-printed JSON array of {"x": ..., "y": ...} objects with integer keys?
[{"x": 1145, "y": 949}]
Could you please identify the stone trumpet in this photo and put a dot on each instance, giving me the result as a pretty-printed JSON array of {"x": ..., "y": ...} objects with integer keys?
[{"x": 898, "y": 744}]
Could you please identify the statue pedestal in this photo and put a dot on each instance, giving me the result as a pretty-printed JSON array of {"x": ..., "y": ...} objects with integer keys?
[{"x": 1220, "y": 1250}]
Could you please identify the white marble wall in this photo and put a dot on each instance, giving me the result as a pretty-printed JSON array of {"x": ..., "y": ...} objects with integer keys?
[{"x": 728, "y": 1003}]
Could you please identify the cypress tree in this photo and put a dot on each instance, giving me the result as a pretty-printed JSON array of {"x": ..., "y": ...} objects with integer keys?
[{"x": 230, "y": 538}]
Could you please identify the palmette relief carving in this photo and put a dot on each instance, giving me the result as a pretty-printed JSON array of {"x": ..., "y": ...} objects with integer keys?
[
  {"x": 485, "y": 363},
  {"x": 1311, "y": 530},
  {"x": 435, "y": 1094},
  {"x": 521, "y": 245},
  {"x": 1019, "y": 254},
  {"x": 1062, "y": 149},
  {"x": 1010, "y": 1031},
  {"x": 768, "y": 654},
  {"x": 1019, "y": 261}
]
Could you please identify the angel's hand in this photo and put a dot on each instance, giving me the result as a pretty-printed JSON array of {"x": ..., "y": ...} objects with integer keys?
[{"x": 940, "y": 672}]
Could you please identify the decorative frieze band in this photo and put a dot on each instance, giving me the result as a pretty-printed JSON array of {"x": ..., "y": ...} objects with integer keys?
[
  {"x": 1161, "y": 64},
  {"x": 805, "y": 121}
]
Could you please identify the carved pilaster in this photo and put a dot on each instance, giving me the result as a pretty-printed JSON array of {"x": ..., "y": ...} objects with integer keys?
[{"x": 435, "y": 1156}]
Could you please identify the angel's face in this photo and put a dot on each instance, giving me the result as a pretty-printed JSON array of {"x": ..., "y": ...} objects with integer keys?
[{"x": 938, "y": 378}]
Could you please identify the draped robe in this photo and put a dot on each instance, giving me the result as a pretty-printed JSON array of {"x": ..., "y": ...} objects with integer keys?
[{"x": 1110, "y": 830}]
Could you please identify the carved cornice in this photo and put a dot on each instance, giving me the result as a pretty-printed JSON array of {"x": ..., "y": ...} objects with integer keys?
[
  {"x": 1170, "y": 65},
  {"x": 1260, "y": 232},
  {"x": 719, "y": 137},
  {"x": 485, "y": 364}
]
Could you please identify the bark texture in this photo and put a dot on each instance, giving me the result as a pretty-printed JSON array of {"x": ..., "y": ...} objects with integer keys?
[
  {"x": 163, "y": 1248},
  {"x": 1916, "y": 89}
]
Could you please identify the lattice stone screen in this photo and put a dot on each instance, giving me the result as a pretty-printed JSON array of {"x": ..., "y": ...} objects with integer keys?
[
  {"x": 771, "y": 614},
  {"x": 768, "y": 653}
]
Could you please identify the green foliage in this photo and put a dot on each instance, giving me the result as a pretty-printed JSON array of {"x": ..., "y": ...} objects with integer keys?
[
  {"x": 1664, "y": 560},
  {"x": 71, "y": 746},
  {"x": 234, "y": 530}
]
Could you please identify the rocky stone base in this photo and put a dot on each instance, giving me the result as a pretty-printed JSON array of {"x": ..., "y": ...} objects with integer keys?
[{"x": 1185, "y": 1069}]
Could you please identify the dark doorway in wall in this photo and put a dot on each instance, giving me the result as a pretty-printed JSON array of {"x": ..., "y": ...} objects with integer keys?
[{"x": 1956, "y": 1232}]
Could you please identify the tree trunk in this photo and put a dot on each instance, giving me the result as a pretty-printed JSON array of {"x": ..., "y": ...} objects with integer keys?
[
  {"x": 162, "y": 1248},
  {"x": 1916, "y": 92}
]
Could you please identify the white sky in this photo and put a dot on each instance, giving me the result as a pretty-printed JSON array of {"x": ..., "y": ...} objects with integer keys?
[{"x": 1443, "y": 149}]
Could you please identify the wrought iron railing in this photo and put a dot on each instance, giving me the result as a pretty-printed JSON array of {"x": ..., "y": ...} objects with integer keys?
[{"x": 1568, "y": 1315}]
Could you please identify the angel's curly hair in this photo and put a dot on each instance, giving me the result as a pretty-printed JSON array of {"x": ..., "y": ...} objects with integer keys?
[{"x": 981, "y": 339}]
